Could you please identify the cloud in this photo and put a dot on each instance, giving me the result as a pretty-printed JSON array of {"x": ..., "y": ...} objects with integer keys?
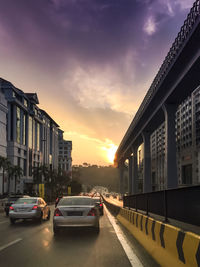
[{"x": 150, "y": 26}]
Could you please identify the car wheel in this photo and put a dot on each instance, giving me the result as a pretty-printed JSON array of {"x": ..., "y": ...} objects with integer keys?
[
  {"x": 97, "y": 229},
  {"x": 7, "y": 213},
  {"x": 49, "y": 215},
  {"x": 12, "y": 221},
  {"x": 40, "y": 218},
  {"x": 56, "y": 230}
]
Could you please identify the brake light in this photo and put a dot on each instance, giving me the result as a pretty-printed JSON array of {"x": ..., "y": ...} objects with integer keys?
[
  {"x": 57, "y": 212},
  {"x": 11, "y": 208},
  {"x": 35, "y": 207},
  {"x": 100, "y": 205},
  {"x": 92, "y": 212}
]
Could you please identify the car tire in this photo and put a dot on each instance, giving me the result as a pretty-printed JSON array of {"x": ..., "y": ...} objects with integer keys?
[
  {"x": 97, "y": 229},
  {"x": 7, "y": 213},
  {"x": 56, "y": 230},
  {"x": 49, "y": 215},
  {"x": 12, "y": 221},
  {"x": 40, "y": 218}
]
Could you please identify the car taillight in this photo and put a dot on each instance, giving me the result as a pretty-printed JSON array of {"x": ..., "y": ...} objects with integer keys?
[
  {"x": 92, "y": 212},
  {"x": 35, "y": 207},
  {"x": 11, "y": 208},
  {"x": 100, "y": 205},
  {"x": 57, "y": 212}
]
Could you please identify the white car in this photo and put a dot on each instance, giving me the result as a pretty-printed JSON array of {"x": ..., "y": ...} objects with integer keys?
[
  {"x": 76, "y": 211},
  {"x": 29, "y": 208}
]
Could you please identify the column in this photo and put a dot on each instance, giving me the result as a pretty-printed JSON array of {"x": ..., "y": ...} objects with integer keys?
[
  {"x": 121, "y": 174},
  {"x": 135, "y": 172},
  {"x": 130, "y": 173},
  {"x": 170, "y": 170},
  {"x": 147, "y": 184}
]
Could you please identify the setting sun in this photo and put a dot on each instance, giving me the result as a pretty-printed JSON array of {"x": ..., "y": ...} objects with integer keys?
[{"x": 110, "y": 150}]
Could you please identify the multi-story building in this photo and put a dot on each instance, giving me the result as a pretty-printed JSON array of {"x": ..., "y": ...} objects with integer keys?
[
  {"x": 187, "y": 144},
  {"x": 3, "y": 140},
  {"x": 157, "y": 158},
  {"x": 32, "y": 135},
  {"x": 185, "y": 122},
  {"x": 49, "y": 139},
  {"x": 65, "y": 158}
]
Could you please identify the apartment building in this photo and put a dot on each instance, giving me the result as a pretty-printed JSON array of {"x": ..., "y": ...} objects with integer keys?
[
  {"x": 65, "y": 157},
  {"x": 187, "y": 145},
  {"x": 32, "y": 135}
]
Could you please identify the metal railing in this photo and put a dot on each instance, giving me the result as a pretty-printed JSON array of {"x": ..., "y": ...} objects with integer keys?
[{"x": 182, "y": 204}]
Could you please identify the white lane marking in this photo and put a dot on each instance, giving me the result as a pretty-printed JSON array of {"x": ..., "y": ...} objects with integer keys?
[
  {"x": 3, "y": 222},
  {"x": 10, "y": 244},
  {"x": 129, "y": 252}
]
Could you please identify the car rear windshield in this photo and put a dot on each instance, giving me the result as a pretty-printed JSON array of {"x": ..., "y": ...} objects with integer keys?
[
  {"x": 26, "y": 201},
  {"x": 75, "y": 201}
]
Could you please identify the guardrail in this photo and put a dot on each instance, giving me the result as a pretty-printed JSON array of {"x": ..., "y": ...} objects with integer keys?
[{"x": 182, "y": 204}]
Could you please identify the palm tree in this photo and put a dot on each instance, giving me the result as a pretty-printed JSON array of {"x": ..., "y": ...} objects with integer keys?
[
  {"x": 38, "y": 174},
  {"x": 4, "y": 162},
  {"x": 17, "y": 173}
]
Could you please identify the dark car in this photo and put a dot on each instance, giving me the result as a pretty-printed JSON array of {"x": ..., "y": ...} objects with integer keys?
[
  {"x": 11, "y": 200},
  {"x": 99, "y": 204}
]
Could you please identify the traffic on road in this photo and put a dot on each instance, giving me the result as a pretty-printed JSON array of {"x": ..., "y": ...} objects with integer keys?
[{"x": 30, "y": 242}]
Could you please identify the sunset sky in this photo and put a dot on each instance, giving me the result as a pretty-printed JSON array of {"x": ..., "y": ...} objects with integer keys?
[{"x": 90, "y": 62}]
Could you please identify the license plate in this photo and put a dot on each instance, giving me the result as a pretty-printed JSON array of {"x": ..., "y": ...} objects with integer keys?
[{"x": 74, "y": 213}]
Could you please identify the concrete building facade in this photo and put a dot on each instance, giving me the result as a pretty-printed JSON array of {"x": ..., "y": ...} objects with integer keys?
[
  {"x": 65, "y": 154},
  {"x": 3, "y": 139},
  {"x": 31, "y": 137}
]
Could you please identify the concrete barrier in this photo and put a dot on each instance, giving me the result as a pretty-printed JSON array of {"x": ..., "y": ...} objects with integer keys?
[{"x": 168, "y": 245}]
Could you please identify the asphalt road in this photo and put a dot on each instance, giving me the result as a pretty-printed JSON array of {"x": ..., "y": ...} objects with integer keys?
[{"x": 30, "y": 244}]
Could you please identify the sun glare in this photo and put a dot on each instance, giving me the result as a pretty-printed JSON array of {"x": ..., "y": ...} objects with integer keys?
[{"x": 111, "y": 153}]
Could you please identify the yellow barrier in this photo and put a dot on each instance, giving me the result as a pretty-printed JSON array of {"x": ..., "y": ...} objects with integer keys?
[{"x": 168, "y": 245}]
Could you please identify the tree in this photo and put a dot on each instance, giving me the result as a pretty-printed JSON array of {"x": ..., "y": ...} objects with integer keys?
[
  {"x": 4, "y": 163},
  {"x": 39, "y": 173},
  {"x": 13, "y": 171},
  {"x": 17, "y": 173}
]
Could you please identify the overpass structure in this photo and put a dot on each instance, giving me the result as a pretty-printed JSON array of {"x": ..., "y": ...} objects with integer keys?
[{"x": 176, "y": 79}]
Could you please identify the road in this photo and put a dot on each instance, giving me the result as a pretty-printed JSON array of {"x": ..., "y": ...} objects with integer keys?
[{"x": 30, "y": 244}]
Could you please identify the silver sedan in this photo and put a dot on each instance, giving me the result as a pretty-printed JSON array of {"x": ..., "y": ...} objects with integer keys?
[
  {"x": 29, "y": 208},
  {"x": 76, "y": 211}
]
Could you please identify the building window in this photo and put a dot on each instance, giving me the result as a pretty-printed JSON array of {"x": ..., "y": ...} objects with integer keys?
[
  {"x": 18, "y": 123},
  {"x": 38, "y": 136},
  {"x": 24, "y": 141},
  {"x": 18, "y": 162},
  {"x": 25, "y": 167},
  {"x": 25, "y": 103},
  {"x": 30, "y": 132}
]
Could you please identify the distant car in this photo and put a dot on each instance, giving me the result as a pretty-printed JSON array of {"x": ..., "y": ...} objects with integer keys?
[
  {"x": 29, "y": 208},
  {"x": 57, "y": 200},
  {"x": 75, "y": 211},
  {"x": 99, "y": 204},
  {"x": 11, "y": 200}
]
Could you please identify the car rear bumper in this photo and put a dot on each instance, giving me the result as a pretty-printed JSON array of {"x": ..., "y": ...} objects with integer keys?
[
  {"x": 75, "y": 221},
  {"x": 25, "y": 215}
]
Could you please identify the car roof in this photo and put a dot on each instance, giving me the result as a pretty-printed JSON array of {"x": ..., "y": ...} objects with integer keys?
[{"x": 77, "y": 197}]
